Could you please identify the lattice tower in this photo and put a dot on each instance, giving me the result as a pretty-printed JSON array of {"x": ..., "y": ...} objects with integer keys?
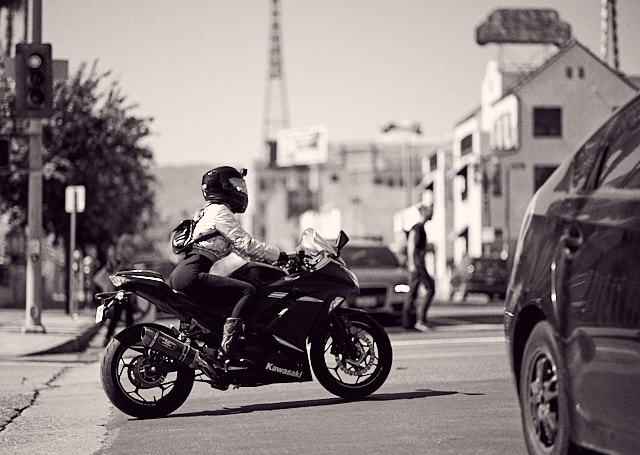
[{"x": 276, "y": 112}]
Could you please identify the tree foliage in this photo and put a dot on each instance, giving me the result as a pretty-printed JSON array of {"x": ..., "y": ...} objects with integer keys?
[{"x": 95, "y": 140}]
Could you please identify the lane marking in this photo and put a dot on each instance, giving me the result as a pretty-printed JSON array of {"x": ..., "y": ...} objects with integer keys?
[{"x": 471, "y": 340}]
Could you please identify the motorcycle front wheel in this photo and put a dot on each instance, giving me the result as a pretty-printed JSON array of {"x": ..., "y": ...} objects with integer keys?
[
  {"x": 355, "y": 370},
  {"x": 143, "y": 383}
]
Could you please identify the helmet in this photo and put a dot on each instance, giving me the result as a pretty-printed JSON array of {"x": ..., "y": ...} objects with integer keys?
[{"x": 226, "y": 185}]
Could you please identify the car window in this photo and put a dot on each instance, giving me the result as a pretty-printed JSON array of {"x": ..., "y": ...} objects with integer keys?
[
  {"x": 621, "y": 164},
  {"x": 583, "y": 165},
  {"x": 369, "y": 257}
]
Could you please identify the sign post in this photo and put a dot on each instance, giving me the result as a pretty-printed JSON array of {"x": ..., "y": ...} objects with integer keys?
[{"x": 74, "y": 202}]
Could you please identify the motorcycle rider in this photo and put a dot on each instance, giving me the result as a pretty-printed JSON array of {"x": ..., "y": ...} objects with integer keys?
[{"x": 225, "y": 191}]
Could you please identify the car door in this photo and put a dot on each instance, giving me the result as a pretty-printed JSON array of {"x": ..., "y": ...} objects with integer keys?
[{"x": 600, "y": 274}]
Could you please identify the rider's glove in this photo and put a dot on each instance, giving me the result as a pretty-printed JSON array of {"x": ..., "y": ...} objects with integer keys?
[{"x": 283, "y": 257}]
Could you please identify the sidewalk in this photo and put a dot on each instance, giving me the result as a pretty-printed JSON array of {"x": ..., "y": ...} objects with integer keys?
[{"x": 63, "y": 333}]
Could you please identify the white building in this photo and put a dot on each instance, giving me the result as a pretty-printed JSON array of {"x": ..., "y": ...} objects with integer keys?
[{"x": 526, "y": 125}]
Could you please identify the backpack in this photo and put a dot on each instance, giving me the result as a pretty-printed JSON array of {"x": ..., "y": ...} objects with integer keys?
[{"x": 182, "y": 235}]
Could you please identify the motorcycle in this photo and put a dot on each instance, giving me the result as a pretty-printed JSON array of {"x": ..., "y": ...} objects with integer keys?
[{"x": 300, "y": 323}]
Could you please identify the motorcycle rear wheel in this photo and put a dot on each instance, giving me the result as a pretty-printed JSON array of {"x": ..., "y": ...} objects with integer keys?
[
  {"x": 342, "y": 374},
  {"x": 140, "y": 385}
]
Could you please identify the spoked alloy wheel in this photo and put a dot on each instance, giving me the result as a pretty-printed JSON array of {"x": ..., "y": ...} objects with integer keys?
[
  {"x": 543, "y": 400},
  {"x": 357, "y": 370},
  {"x": 141, "y": 385}
]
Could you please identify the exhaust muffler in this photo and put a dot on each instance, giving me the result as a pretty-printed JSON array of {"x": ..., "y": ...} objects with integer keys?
[{"x": 176, "y": 349}]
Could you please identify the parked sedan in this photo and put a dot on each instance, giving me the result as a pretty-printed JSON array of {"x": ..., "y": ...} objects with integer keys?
[
  {"x": 572, "y": 316},
  {"x": 383, "y": 281}
]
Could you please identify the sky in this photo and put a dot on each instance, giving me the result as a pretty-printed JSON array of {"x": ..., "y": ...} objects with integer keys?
[{"x": 199, "y": 67}]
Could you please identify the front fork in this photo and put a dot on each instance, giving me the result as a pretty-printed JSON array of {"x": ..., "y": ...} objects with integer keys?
[{"x": 343, "y": 334}]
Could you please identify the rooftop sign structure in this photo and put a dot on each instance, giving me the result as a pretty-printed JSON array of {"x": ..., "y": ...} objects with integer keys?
[{"x": 523, "y": 26}]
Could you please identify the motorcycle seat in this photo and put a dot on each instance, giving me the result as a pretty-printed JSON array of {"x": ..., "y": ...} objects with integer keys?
[{"x": 144, "y": 273}]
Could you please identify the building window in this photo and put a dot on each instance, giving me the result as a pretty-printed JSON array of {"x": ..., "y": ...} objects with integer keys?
[
  {"x": 433, "y": 163},
  {"x": 541, "y": 174},
  {"x": 496, "y": 180},
  {"x": 466, "y": 145},
  {"x": 569, "y": 72},
  {"x": 462, "y": 178},
  {"x": 463, "y": 240},
  {"x": 581, "y": 72},
  {"x": 547, "y": 122}
]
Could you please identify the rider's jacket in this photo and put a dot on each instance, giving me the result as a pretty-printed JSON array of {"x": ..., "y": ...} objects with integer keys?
[{"x": 230, "y": 236}]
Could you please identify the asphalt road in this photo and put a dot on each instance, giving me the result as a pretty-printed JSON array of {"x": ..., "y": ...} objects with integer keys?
[{"x": 449, "y": 392}]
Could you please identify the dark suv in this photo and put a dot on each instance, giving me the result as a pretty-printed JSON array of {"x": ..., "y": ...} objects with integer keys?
[
  {"x": 572, "y": 316},
  {"x": 483, "y": 275}
]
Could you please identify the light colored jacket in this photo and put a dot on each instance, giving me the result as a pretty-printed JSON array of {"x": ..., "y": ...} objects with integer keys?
[{"x": 218, "y": 218}]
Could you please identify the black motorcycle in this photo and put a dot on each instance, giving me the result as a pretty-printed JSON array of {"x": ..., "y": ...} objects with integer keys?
[{"x": 148, "y": 370}]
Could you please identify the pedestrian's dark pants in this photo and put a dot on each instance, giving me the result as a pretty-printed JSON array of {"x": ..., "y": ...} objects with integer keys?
[
  {"x": 411, "y": 300},
  {"x": 127, "y": 306},
  {"x": 192, "y": 277}
]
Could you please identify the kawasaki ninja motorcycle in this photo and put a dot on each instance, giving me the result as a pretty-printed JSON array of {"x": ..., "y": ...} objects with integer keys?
[{"x": 299, "y": 323}]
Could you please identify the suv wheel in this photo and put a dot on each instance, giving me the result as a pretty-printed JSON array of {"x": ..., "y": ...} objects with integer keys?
[{"x": 543, "y": 397}]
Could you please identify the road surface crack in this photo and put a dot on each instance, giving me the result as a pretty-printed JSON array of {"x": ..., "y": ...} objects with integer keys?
[{"x": 10, "y": 410}]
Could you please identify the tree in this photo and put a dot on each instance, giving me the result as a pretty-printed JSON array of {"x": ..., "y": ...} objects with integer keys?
[{"x": 94, "y": 140}]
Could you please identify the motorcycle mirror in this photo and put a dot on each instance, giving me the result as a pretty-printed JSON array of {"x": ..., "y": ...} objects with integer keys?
[{"x": 341, "y": 241}]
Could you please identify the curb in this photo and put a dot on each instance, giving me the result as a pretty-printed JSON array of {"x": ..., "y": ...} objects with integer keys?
[{"x": 77, "y": 344}]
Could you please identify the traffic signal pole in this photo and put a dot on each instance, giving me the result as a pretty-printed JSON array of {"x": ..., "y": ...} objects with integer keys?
[{"x": 34, "y": 281}]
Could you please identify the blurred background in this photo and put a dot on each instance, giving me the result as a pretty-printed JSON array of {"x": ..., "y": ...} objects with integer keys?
[{"x": 346, "y": 113}]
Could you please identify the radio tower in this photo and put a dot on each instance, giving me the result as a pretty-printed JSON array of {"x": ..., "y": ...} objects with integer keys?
[
  {"x": 276, "y": 114},
  {"x": 609, "y": 33}
]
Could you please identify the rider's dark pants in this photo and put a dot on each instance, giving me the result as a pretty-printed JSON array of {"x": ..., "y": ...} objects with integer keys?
[{"x": 192, "y": 277}]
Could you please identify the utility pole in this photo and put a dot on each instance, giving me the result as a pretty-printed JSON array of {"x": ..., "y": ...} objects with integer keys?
[
  {"x": 34, "y": 281},
  {"x": 609, "y": 33}
]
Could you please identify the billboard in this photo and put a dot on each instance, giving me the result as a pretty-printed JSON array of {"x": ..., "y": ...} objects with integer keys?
[
  {"x": 302, "y": 146},
  {"x": 525, "y": 26}
]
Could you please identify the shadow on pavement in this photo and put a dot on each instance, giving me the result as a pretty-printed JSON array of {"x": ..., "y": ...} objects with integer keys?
[{"x": 312, "y": 403}]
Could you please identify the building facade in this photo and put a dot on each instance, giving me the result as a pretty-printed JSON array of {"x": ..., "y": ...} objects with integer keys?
[
  {"x": 526, "y": 125},
  {"x": 360, "y": 188}
]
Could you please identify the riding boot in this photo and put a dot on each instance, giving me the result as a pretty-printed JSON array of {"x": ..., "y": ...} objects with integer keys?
[{"x": 233, "y": 329}]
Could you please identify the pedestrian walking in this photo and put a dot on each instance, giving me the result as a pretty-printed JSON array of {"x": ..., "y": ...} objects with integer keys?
[{"x": 418, "y": 275}]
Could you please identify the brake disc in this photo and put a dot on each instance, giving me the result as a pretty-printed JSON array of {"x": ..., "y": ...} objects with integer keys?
[
  {"x": 355, "y": 367},
  {"x": 144, "y": 373}
]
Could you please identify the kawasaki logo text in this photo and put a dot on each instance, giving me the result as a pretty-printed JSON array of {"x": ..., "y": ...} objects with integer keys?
[{"x": 276, "y": 369}]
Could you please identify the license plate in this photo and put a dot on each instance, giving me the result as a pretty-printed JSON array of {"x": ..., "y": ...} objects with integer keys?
[
  {"x": 368, "y": 301},
  {"x": 99, "y": 314}
]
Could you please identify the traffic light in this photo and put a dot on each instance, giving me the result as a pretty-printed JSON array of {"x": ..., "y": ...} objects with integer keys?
[{"x": 34, "y": 80}]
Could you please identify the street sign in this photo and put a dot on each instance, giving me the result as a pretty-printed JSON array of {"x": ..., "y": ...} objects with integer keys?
[{"x": 74, "y": 196}]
